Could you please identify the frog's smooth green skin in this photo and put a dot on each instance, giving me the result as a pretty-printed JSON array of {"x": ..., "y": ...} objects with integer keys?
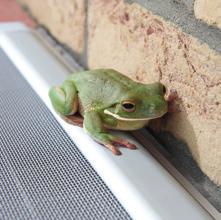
[{"x": 107, "y": 99}]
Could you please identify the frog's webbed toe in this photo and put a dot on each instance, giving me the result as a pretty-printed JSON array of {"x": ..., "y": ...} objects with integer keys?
[
  {"x": 113, "y": 148},
  {"x": 119, "y": 142},
  {"x": 125, "y": 143},
  {"x": 171, "y": 95}
]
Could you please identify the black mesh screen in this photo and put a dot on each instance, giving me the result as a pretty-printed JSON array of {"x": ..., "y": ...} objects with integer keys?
[{"x": 43, "y": 174}]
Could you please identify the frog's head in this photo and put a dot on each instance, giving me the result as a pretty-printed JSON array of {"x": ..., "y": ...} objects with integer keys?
[{"x": 143, "y": 102}]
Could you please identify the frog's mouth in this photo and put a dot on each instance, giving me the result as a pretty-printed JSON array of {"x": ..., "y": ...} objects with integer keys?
[{"x": 129, "y": 119}]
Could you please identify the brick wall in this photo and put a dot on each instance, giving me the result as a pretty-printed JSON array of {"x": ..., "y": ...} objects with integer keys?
[
  {"x": 15, "y": 14},
  {"x": 155, "y": 40},
  {"x": 208, "y": 11}
]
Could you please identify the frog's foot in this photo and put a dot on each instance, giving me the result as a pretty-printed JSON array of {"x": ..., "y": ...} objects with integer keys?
[
  {"x": 119, "y": 142},
  {"x": 124, "y": 143},
  {"x": 113, "y": 148},
  {"x": 171, "y": 98},
  {"x": 76, "y": 120},
  {"x": 171, "y": 95}
]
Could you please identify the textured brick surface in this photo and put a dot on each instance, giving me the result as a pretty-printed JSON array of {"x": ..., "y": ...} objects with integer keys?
[
  {"x": 132, "y": 40},
  {"x": 180, "y": 12},
  {"x": 10, "y": 11},
  {"x": 208, "y": 11},
  {"x": 64, "y": 19}
]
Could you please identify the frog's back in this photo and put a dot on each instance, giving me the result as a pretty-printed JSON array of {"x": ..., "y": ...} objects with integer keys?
[
  {"x": 102, "y": 85},
  {"x": 103, "y": 74}
]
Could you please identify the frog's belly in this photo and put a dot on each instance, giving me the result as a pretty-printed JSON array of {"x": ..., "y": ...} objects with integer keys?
[{"x": 128, "y": 125}]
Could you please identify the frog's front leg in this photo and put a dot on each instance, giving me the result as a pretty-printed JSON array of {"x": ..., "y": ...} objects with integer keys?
[
  {"x": 64, "y": 98},
  {"x": 93, "y": 125}
]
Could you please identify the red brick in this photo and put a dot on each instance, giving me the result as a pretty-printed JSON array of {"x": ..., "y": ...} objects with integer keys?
[{"x": 11, "y": 11}]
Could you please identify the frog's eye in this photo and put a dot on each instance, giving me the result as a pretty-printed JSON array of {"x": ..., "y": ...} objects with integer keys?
[{"x": 128, "y": 106}]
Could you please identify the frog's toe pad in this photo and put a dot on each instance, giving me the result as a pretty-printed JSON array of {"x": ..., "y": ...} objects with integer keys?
[{"x": 113, "y": 148}]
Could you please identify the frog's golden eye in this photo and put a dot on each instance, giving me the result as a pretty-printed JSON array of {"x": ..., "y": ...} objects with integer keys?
[{"x": 128, "y": 106}]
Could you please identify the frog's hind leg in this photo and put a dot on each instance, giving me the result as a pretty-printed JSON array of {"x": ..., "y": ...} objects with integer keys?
[
  {"x": 64, "y": 98},
  {"x": 74, "y": 120}
]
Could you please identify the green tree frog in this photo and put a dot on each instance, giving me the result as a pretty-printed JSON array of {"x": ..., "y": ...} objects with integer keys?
[{"x": 107, "y": 99}]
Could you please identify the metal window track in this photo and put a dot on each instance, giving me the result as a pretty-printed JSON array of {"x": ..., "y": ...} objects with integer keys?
[{"x": 141, "y": 184}]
